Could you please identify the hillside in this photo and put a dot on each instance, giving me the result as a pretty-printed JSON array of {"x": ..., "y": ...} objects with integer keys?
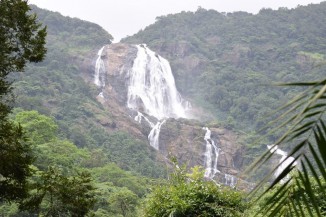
[
  {"x": 136, "y": 86},
  {"x": 227, "y": 62},
  {"x": 56, "y": 88},
  {"x": 222, "y": 63},
  {"x": 63, "y": 87},
  {"x": 73, "y": 129},
  {"x": 190, "y": 90},
  {"x": 122, "y": 114}
]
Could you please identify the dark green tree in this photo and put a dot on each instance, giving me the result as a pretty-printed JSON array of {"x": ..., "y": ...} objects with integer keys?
[
  {"x": 22, "y": 40},
  {"x": 55, "y": 194},
  {"x": 39, "y": 128},
  {"x": 123, "y": 201},
  {"x": 190, "y": 195}
]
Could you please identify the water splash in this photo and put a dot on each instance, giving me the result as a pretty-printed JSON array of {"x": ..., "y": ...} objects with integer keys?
[
  {"x": 99, "y": 77},
  {"x": 211, "y": 155}
]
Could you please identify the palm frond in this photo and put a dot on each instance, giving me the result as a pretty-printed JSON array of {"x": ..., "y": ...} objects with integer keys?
[{"x": 303, "y": 121}]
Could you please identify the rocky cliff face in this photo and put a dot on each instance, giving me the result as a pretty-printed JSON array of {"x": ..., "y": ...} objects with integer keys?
[{"x": 182, "y": 138}]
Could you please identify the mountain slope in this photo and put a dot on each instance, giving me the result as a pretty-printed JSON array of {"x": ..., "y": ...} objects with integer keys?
[
  {"x": 226, "y": 62},
  {"x": 56, "y": 87},
  {"x": 137, "y": 87},
  {"x": 219, "y": 61},
  {"x": 63, "y": 87}
]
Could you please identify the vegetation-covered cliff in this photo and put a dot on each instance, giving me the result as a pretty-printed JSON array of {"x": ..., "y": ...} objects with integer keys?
[{"x": 227, "y": 62}]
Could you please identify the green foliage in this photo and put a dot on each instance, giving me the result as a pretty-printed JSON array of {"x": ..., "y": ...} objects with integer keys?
[
  {"x": 9, "y": 210},
  {"x": 190, "y": 195},
  {"x": 41, "y": 131},
  {"x": 59, "y": 165},
  {"x": 303, "y": 120},
  {"x": 132, "y": 154},
  {"x": 118, "y": 192},
  {"x": 54, "y": 194},
  {"x": 120, "y": 178},
  {"x": 38, "y": 128},
  {"x": 16, "y": 157},
  {"x": 21, "y": 40},
  {"x": 295, "y": 202},
  {"x": 61, "y": 153},
  {"x": 71, "y": 35},
  {"x": 123, "y": 201}
]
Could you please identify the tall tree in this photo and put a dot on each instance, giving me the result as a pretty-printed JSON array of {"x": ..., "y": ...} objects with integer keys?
[{"x": 22, "y": 40}]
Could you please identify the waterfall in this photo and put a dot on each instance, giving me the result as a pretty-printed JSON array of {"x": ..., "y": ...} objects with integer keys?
[
  {"x": 211, "y": 158},
  {"x": 153, "y": 136},
  {"x": 152, "y": 90},
  {"x": 139, "y": 118},
  {"x": 211, "y": 155},
  {"x": 99, "y": 77},
  {"x": 152, "y": 86},
  {"x": 284, "y": 162},
  {"x": 230, "y": 180}
]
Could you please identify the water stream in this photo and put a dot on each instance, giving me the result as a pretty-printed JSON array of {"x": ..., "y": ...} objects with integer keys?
[
  {"x": 284, "y": 162},
  {"x": 230, "y": 180},
  {"x": 211, "y": 155},
  {"x": 152, "y": 90},
  {"x": 99, "y": 77}
]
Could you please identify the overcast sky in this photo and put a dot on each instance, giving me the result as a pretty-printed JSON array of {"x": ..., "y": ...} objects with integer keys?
[{"x": 126, "y": 17}]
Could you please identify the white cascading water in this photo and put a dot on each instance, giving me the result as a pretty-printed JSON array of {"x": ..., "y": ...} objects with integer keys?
[
  {"x": 99, "y": 77},
  {"x": 284, "y": 162},
  {"x": 211, "y": 155},
  {"x": 139, "y": 118},
  {"x": 230, "y": 180},
  {"x": 211, "y": 158},
  {"x": 153, "y": 136},
  {"x": 152, "y": 89}
]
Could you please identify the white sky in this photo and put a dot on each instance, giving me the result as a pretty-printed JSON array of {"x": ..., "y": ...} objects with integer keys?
[{"x": 126, "y": 17}]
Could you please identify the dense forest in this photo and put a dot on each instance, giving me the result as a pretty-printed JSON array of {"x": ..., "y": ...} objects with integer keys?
[{"x": 225, "y": 63}]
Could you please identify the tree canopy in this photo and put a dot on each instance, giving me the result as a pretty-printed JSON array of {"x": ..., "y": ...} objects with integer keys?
[
  {"x": 188, "y": 194},
  {"x": 22, "y": 40}
]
